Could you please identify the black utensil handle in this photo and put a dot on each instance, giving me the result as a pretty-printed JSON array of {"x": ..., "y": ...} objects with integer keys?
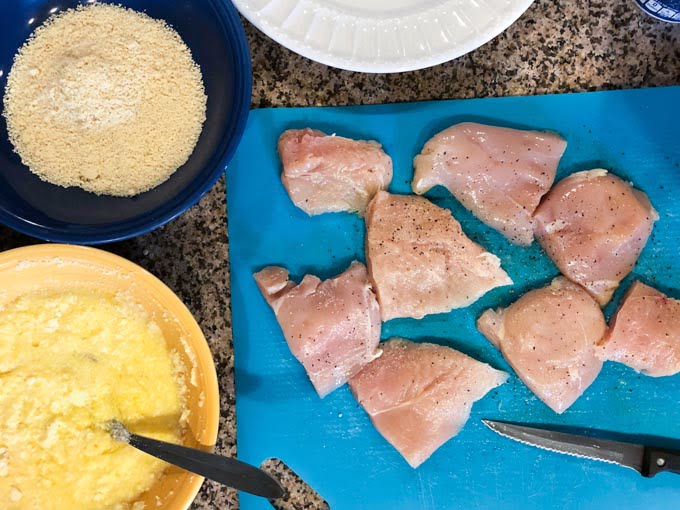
[
  {"x": 225, "y": 470},
  {"x": 656, "y": 460}
]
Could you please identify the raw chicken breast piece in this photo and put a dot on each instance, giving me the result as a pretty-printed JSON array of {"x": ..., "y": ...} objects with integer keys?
[
  {"x": 332, "y": 327},
  {"x": 330, "y": 173},
  {"x": 419, "y": 396},
  {"x": 421, "y": 261},
  {"x": 499, "y": 174},
  {"x": 548, "y": 336},
  {"x": 594, "y": 226},
  {"x": 645, "y": 332}
]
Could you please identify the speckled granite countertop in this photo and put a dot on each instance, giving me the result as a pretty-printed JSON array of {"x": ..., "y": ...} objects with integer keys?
[{"x": 555, "y": 47}]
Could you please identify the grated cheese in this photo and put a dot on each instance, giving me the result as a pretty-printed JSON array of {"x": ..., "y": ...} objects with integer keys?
[{"x": 104, "y": 98}]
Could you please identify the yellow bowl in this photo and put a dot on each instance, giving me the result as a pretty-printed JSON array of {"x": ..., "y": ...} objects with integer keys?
[{"x": 52, "y": 266}]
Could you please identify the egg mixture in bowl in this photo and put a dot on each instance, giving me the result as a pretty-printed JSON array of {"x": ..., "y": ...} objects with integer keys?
[{"x": 86, "y": 337}]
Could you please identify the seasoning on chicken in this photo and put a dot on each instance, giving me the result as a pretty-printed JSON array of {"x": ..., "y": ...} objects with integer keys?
[
  {"x": 421, "y": 261},
  {"x": 330, "y": 173},
  {"x": 419, "y": 396},
  {"x": 332, "y": 327},
  {"x": 500, "y": 174},
  {"x": 644, "y": 334},
  {"x": 548, "y": 336},
  {"x": 594, "y": 226}
]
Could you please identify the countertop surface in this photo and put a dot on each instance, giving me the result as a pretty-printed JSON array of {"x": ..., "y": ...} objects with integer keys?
[{"x": 555, "y": 47}]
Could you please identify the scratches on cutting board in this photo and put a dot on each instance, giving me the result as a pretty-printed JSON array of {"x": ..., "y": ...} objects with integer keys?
[{"x": 426, "y": 497}]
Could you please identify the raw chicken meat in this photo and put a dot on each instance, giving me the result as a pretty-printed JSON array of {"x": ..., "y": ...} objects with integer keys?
[
  {"x": 593, "y": 226},
  {"x": 419, "y": 395},
  {"x": 645, "y": 332},
  {"x": 332, "y": 327},
  {"x": 421, "y": 261},
  {"x": 500, "y": 174},
  {"x": 330, "y": 173},
  {"x": 548, "y": 336}
]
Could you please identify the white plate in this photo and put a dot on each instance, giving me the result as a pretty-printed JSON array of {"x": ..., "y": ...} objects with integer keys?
[{"x": 382, "y": 36}]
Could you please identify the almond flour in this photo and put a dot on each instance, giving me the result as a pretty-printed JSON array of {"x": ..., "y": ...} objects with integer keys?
[{"x": 104, "y": 98}]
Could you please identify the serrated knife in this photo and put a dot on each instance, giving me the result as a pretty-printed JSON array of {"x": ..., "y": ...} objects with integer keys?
[{"x": 646, "y": 460}]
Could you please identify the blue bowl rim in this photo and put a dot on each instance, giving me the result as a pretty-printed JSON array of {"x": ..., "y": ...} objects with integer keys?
[{"x": 142, "y": 226}]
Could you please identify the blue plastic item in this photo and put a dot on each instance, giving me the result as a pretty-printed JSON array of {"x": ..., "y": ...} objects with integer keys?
[
  {"x": 213, "y": 32},
  {"x": 664, "y": 10},
  {"x": 331, "y": 442}
]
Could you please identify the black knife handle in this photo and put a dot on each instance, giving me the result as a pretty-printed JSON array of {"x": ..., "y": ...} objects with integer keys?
[
  {"x": 656, "y": 460},
  {"x": 224, "y": 470}
]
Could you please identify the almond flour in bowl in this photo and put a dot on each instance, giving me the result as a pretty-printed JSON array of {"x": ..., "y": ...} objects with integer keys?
[{"x": 104, "y": 98}]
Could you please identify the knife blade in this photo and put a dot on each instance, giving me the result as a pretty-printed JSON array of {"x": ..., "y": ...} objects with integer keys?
[{"x": 646, "y": 460}]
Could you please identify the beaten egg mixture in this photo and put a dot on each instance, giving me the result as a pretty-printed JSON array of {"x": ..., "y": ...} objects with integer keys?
[{"x": 69, "y": 362}]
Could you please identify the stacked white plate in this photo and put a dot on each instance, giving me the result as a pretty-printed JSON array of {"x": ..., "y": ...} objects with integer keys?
[{"x": 382, "y": 36}]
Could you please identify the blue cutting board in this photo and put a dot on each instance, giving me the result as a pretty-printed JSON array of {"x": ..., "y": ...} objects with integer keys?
[{"x": 331, "y": 443}]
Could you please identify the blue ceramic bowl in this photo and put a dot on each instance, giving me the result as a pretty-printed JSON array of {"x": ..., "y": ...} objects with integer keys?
[{"x": 213, "y": 32}]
